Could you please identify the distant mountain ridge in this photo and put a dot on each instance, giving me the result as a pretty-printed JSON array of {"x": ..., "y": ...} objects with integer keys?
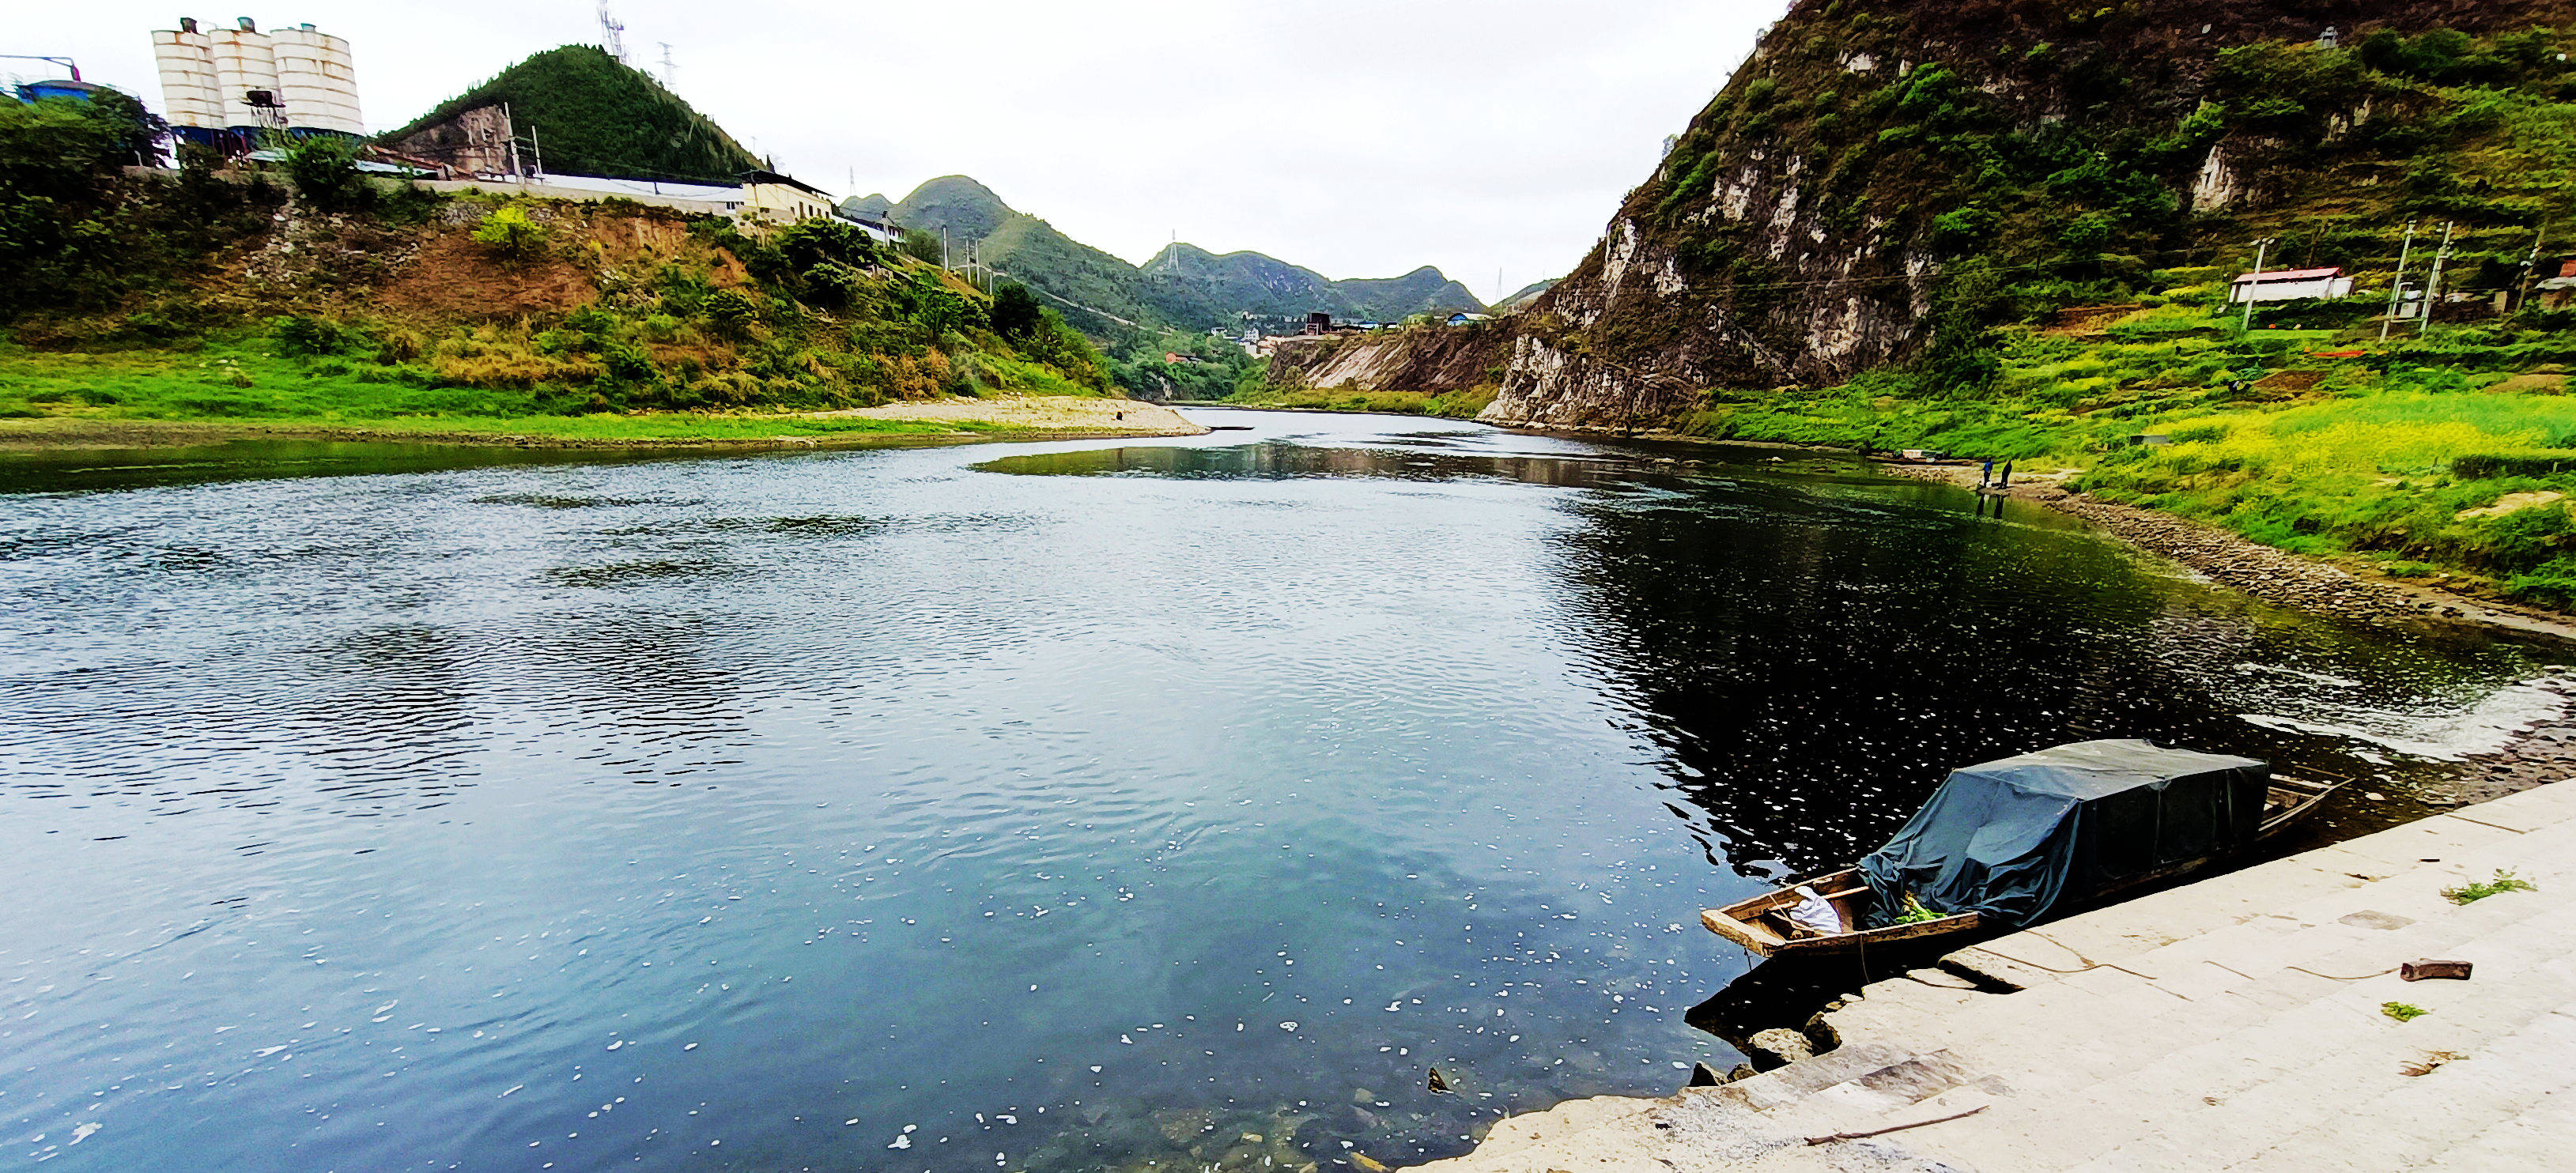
[
  {"x": 1254, "y": 283},
  {"x": 1184, "y": 286}
]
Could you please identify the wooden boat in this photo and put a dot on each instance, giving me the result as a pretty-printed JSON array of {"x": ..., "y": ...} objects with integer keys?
[{"x": 1762, "y": 925}]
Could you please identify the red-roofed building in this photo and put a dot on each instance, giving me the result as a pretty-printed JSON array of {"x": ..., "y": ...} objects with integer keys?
[{"x": 2289, "y": 285}]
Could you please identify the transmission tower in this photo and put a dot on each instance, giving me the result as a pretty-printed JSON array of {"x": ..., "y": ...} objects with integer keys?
[
  {"x": 614, "y": 31},
  {"x": 670, "y": 68}
]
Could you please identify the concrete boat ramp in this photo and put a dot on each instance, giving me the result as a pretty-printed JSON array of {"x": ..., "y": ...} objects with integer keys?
[{"x": 2236, "y": 1023}]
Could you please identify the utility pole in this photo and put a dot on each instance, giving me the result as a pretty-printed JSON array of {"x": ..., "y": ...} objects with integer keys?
[
  {"x": 2530, "y": 269},
  {"x": 2397, "y": 292},
  {"x": 2262, "y": 251},
  {"x": 514, "y": 139},
  {"x": 539, "y": 148},
  {"x": 2433, "y": 291},
  {"x": 943, "y": 248},
  {"x": 670, "y": 68}
]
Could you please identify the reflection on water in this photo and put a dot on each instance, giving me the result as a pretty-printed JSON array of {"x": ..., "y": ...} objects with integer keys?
[{"x": 1011, "y": 808}]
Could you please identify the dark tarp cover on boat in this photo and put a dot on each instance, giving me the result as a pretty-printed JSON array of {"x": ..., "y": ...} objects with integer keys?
[{"x": 2023, "y": 838}]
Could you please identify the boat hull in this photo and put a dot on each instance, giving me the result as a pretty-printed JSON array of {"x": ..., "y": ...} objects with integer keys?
[{"x": 1761, "y": 926}]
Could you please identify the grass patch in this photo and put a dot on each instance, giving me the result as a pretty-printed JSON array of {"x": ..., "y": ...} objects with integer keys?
[
  {"x": 2402, "y": 1012},
  {"x": 241, "y": 384},
  {"x": 1466, "y": 404},
  {"x": 2503, "y": 882}
]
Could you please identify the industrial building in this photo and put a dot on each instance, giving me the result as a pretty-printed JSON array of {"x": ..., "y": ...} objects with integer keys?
[{"x": 226, "y": 86}]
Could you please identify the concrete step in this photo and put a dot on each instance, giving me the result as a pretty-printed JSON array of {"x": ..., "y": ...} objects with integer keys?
[
  {"x": 2274, "y": 961},
  {"x": 2424, "y": 1117},
  {"x": 1572, "y": 1117},
  {"x": 2311, "y": 1067},
  {"x": 2532, "y": 1142},
  {"x": 2135, "y": 1080}
]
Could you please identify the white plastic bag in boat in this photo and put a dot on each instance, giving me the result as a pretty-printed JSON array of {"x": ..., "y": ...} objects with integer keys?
[{"x": 1815, "y": 913}]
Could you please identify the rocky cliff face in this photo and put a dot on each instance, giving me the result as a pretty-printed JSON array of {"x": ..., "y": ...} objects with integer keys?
[
  {"x": 1884, "y": 178},
  {"x": 1431, "y": 359}
]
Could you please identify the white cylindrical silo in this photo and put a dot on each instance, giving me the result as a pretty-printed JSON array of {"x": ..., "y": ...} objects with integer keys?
[
  {"x": 340, "y": 76},
  {"x": 188, "y": 91},
  {"x": 244, "y": 63},
  {"x": 320, "y": 87}
]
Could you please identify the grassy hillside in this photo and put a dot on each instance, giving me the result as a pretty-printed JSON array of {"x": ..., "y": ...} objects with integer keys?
[
  {"x": 2450, "y": 453},
  {"x": 382, "y": 308},
  {"x": 595, "y": 116},
  {"x": 2006, "y": 229}
]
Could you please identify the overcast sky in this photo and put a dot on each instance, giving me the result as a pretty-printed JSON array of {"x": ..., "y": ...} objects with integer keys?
[{"x": 1358, "y": 139}]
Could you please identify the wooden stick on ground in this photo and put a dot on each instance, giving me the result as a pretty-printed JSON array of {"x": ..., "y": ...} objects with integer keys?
[{"x": 1897, "y": 1128}]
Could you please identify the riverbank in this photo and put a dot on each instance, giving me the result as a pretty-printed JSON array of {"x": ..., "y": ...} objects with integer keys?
[
  {"x": 928, "y": 421},
  {"x": 2265, "y": 572},
  {"x": 2252, "y": 1020},
  {"x": 1457, "y": 405}
]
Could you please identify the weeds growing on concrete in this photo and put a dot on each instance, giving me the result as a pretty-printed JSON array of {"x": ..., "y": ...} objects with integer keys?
[
  {"x": 2402, "y": 1012},
  {"x": 2503, "y": 882}
]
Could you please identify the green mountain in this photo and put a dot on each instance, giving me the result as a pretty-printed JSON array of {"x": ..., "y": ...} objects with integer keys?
[
  {"x": 2019, "y": 230},
  {"x": 1887, "y": 182},
  {"x": 873, "y": 207},
  {"x": 968, "y": 211},
  {"x": 1184, "y": 287},
  {"x": 594, "y": 116},
  {"x": 1249, "y": 282},
  {"x": 1528, "y": 294}
]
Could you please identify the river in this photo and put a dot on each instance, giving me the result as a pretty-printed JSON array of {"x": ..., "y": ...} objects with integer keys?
[{"x": 1044, "y": 806}]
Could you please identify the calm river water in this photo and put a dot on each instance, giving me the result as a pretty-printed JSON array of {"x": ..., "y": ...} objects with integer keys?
[{"x": 1057, "y": 807}]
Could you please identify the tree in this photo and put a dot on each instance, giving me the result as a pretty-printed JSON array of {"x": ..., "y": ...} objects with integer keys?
[
  {"x": 922, "y": 246},
  {"x": 134, "y": 134},
  {"x": 813, "y": 242},
  {"x": 1016, "y": 312},
  {"x": 324, "y": 169},
  {"x": 51, "y": 149}
]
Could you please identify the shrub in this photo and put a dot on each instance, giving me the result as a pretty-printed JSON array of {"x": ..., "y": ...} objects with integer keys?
[
  {"x": 307, "y": 337},
  {"x": 733, "y": 315},
  {"x": 628, "y": 364},
  {"x": 511, "y": 234},
  {"x": 2488, "y": 465}
]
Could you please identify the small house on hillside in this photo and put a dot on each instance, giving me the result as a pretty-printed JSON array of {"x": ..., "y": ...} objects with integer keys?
[
  {"x": 2289, "y": 285},
  {"x": 1465, "y": 319}
]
